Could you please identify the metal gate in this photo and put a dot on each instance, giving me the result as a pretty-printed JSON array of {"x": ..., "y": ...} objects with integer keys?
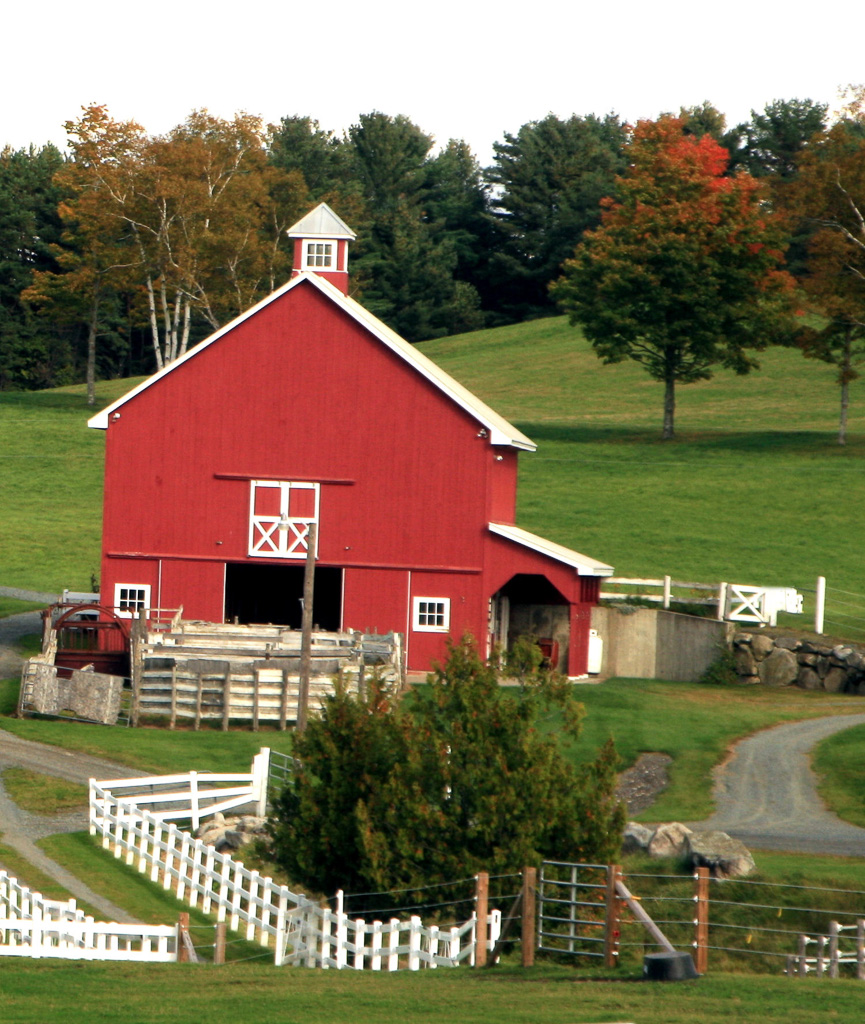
[{"x": 572, "y": 908}]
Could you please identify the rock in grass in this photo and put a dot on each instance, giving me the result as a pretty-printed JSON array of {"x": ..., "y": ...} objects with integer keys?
[
  {"x": 669, "y": 840},
  {"x": 636, "y": 838},
  {"x": 724, "y": 856}
]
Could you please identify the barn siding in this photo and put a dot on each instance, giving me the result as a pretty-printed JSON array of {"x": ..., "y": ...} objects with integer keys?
[{"x": 409, "y": 480}]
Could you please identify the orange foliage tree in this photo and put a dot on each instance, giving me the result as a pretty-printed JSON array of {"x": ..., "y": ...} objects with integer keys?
[{"x": 684, "y": 271}]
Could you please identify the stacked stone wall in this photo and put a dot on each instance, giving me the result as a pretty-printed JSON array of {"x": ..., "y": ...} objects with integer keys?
[{"x": 789, "y": 661}]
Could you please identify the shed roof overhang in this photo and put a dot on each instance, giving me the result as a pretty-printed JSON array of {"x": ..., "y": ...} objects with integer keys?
[{"x": 584, "y": 565}]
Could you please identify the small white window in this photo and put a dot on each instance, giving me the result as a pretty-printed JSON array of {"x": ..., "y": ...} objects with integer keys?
[
  {"x": 431, "y": 614},
  {"x": 320, "y": 255},
  {"x": 130, "y": 598}
]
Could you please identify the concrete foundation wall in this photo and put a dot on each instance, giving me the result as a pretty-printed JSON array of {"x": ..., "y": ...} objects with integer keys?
[{"x": 650, "y": 643}]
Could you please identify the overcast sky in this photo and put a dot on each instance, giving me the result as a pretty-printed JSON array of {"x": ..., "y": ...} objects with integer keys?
[{"x": 457, "y": 69}]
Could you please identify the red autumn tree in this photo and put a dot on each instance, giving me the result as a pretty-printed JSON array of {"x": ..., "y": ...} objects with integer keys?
[{"x": 684, "y": 272}]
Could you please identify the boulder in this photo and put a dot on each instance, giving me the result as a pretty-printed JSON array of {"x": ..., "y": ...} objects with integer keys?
[
  {"x": 835, "y": 680},
  {"x": 808, "y": 679},
  {"x": 779, "y": 669},
  {"x": 786, "y": 643},
  {"x": 746, "y": 663},
  {"x": 636, "y": 837},
  {"x": 762, "y": 646},
  {"x": 724, "y": 856},
  {"x": 668, "y": 840}
]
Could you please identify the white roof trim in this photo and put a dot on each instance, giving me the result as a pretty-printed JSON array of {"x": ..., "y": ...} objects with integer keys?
[
  {"x": 584, "y": 565},
  {"x": 500, "y": 431}
]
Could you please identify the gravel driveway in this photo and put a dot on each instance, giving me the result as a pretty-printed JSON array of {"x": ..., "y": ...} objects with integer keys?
[
  {"x": 21, "y": 829},
  {"x": 766, "y": 793}
]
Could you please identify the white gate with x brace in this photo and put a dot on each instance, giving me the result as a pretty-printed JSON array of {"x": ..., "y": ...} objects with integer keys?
[{"x": 760, "y": 604}]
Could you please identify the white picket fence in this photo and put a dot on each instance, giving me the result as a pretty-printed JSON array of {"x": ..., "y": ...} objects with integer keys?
[
  {"x": 33, "y": 926},
  {"x": 297, "y": 929}
]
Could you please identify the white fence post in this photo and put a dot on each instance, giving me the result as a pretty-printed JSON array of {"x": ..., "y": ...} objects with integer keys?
[
  {"x": 820, "y": 604},
  {"x": 667, "y": 582},
  {"x": 393, "y": 943},
  {"x": 414, "y": 943},
  {"x": 375, "y": 959},
  {"x": 260, "y": 775},
  {"x": 722, "y": 601}
]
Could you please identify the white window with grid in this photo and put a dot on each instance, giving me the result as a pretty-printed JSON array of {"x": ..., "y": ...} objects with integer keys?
[
  {"x": 319, "y": 255},
  {"x": 431, "y": 614},
  {"x": 280, "y": 515},
  {"x": 130, "y": 599}
]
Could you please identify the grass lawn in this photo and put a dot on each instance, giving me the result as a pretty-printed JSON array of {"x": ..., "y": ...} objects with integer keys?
[
  {"x": 840, "y": 762},
  {"x": 13, "y": 606},
  {"x": 549, "y": 994},
  {"x": 694, "y": 723},
  {"x": 43, "y": 794}
]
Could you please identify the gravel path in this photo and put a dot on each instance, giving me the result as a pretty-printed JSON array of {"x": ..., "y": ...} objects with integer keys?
[
  {"x": 766, "y": 793},
  {"x": 21, "y": 830}
]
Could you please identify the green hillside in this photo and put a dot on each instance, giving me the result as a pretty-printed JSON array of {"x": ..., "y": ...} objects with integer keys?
[{"x": 754, "y": 490}]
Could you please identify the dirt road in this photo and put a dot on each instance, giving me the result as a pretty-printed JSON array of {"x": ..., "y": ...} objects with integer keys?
[{"x": 766, "y": 793}]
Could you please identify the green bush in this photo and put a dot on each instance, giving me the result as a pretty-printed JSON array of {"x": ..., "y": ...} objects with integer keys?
[
  {"x": 454, "y": 779},
  {"x": 722, "y": 671}
]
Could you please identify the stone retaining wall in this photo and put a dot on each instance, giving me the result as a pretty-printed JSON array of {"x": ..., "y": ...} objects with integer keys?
[{"x": 785, "y": 661}]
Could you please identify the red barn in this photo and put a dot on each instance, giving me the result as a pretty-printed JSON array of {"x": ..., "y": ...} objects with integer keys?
[{"x": 307, "y": 409}]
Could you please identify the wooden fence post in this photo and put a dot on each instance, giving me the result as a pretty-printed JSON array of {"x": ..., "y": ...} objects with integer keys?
[
  {"x": 860, "y": 949},
  {"x": 182, "y": 938},
  {"x": 219, "y": 944},
  {"x": 482, "y": 897},
  {"x": 527, "y": 941},
  {"x": 701, "y": 921},
  {"x": 834, "y": 931},
  {"x": 611, "y": 918}
]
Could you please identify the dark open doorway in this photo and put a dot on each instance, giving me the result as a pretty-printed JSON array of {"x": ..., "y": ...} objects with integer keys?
[
  {"x": 272, "y": 593},
  {"x": 529, "y": 605}
]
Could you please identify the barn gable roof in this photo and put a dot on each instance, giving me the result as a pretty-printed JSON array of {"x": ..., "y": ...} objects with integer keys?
[
  {"x": 584, "y": 565},
  {"x": 500, "y": 431}
]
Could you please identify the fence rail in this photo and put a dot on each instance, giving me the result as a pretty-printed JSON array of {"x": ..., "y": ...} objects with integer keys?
[
  {"x": 293, "y": 926},
  {"x": 734, "y": 602},
  {"x": 33, "y": 926}
]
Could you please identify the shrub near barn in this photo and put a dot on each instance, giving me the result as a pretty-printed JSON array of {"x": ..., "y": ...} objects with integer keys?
[{"x": 453, "y": 779}]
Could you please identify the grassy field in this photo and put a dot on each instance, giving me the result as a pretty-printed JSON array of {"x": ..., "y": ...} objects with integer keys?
[
  {"x": 840, "y": 761},
  {"x": 249, "y": 994}
]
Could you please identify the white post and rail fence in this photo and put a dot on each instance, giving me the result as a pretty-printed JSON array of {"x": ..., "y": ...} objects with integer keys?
[{"x": 733, "y": 602}]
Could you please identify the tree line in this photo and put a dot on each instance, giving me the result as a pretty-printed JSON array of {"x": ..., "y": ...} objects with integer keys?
[{"x": 679, "y": 242}]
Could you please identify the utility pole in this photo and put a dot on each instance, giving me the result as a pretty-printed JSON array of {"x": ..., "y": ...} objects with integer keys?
[{"x": 306, "y": 629}]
